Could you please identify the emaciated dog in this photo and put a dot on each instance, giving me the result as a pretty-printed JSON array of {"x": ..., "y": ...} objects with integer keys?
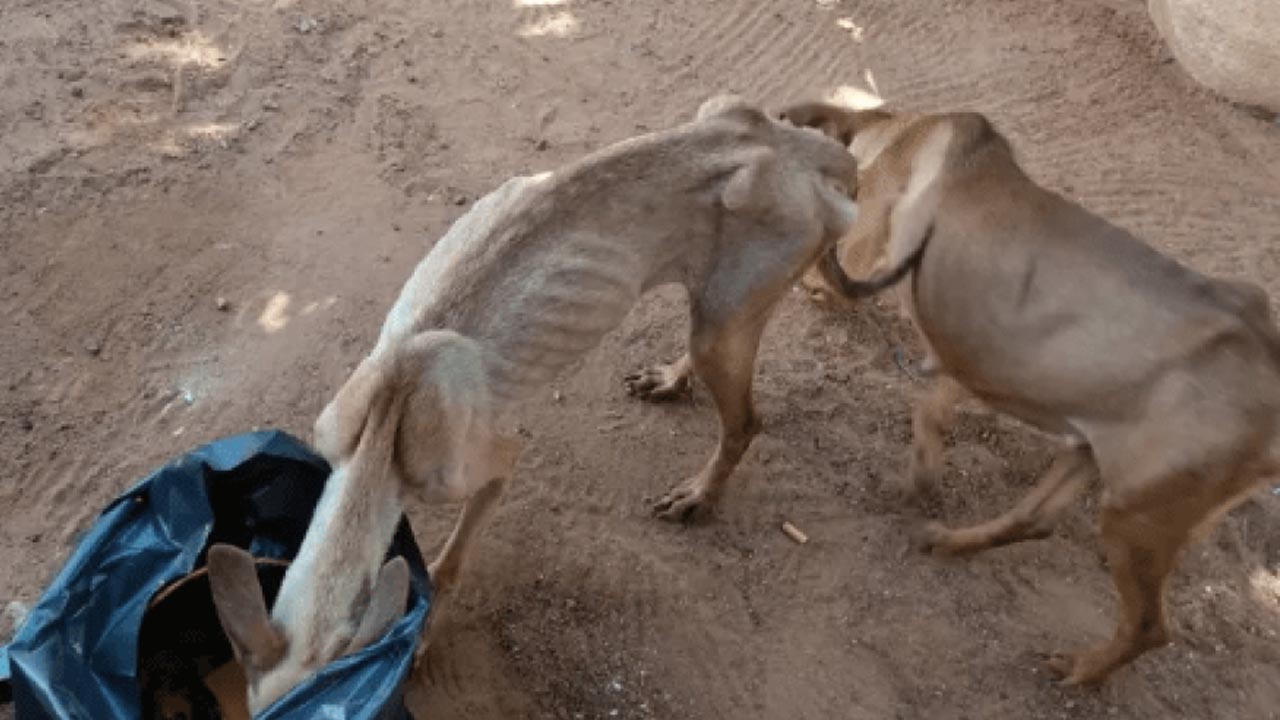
[{"x": 733, "y": 206}]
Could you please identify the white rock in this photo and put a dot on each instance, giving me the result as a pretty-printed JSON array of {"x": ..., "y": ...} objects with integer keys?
[{"x": 1230, "y": 46}]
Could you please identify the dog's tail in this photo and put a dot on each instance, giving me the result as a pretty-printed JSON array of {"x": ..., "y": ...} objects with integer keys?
[
  {"x": 853, "y": 289},
  {"x": 859, "y": 288}
]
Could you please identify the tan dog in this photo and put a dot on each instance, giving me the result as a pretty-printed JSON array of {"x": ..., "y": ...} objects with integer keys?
[
  {"x": 858, "y": 257},
  {"x": 1160, "y": 380},
  {"x": 733, "y": 206}
]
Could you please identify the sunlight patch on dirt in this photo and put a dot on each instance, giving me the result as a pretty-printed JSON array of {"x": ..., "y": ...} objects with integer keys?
[
  {"x": 856, "y": 31},
  {"x": 858, "y": 98},
  {"x": 274, "y": 316},
  {"x": 558, "y": 24},
  {"x": 192, "y": 48}
]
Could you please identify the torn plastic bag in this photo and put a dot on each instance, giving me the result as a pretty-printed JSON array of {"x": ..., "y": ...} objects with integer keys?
[{"x": 76, "y": 654}]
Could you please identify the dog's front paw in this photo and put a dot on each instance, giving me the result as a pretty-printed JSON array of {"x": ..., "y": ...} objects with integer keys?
[
  {"x": 685, "y": 504},
  {"x": 657, "y": 384},
  {"x": 1074, "y": 671},
  {"x": 931, "y": 538}
]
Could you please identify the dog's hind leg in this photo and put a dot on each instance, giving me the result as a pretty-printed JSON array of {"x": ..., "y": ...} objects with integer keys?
[
  {"x": 724, "y": 358},
  {"x": 1143, "y": 535},
  {"x": 1032, "y": 518},
  {"x": 932, "y": 416},
  {"x": 1141, "y": 550}
]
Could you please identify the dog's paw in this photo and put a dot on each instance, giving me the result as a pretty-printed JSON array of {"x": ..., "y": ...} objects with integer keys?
[
  {"x": 657, "y": 384},
  {"x": 684, "y": 504},
  {"x": 1066, "y": 668},
  {"x": 931, "y": 538},
  {"x": 1076, "y": 670}
]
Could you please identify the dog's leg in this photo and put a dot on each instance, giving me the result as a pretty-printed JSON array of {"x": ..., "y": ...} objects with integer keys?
[
  {"x": 1032, "y": 518},
  {"x": 1142, "y": 535},
  {"x": 475, "y": 513},
  {"x": 445, "y": 568},
  {"x": 1141, "y": 550},
  {"x": 661, "y": 382},
  {"x": 724, "y": 357},
  {"x": 933, "y": 415}
]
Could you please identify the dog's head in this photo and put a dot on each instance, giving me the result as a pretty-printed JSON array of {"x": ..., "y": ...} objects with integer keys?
[
  {"x": 838, "y": 123},
  {"x": 865, "y": 132},
  {"x": 275, "y": 657},
  {"x": 417, "y": 416},
  {"x": 835, "y": 122}
]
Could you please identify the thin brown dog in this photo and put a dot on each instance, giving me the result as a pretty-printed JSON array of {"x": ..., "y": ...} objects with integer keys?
[{"x": 1161, "y": 381}]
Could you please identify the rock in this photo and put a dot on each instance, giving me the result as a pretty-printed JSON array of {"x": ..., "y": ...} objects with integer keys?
[
  {"x": 222, "y": 304},
  {"x": 16, "y": 612},
  {"x": 1229, "y": 46},
  {"x": 306, "y": 24},
  {"x": 93, "y": 347}
]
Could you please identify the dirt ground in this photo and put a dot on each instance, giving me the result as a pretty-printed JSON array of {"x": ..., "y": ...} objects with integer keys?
[{"x": 297, "y": 157}]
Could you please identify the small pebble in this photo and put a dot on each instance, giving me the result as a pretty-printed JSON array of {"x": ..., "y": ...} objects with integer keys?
[
  {"x": 93, "y": 347},
  {"x": 17, "y": 612},
  {"x": 459, "y": 199},
  {"x": 222, "y": 304}
]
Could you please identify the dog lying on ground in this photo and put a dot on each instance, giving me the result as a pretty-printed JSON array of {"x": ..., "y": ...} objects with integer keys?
[
  {"x": 1160, "y": 380},
  {"x": 733, "y": 206}
]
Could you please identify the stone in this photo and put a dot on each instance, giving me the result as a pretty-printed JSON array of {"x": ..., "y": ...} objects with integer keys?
[{"x": 1229, "y": 46}]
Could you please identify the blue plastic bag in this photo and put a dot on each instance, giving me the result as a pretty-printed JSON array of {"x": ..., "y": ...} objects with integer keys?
[{"x": 75, "y": 656}]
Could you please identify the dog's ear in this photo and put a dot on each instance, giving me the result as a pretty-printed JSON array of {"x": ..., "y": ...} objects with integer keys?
[
  {"x": 746, "y": 187},
  {"x": 242, "y": 611},
  {"x": 386, "y": 603}
]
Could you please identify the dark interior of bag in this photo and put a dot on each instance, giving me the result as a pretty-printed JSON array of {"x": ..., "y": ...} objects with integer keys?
[{"x": 186, "y": 669}]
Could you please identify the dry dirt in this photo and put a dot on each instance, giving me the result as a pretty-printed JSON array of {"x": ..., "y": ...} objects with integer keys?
[{"x": 297, "y": 157}]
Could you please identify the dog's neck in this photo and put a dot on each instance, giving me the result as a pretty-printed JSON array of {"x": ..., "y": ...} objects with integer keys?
[{"x": 324, "y": 592}]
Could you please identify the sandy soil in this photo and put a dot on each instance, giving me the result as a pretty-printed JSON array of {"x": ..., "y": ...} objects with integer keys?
[{"x": 297, "y": 157}]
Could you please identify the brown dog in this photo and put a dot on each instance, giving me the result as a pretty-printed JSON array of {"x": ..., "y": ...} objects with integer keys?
[{"x": 1160, "y": 380}]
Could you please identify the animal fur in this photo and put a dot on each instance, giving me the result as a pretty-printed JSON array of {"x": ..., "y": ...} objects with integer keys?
[
  {"x": 733, "y": 206},
  {"x": 1161, "y": 381}
]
